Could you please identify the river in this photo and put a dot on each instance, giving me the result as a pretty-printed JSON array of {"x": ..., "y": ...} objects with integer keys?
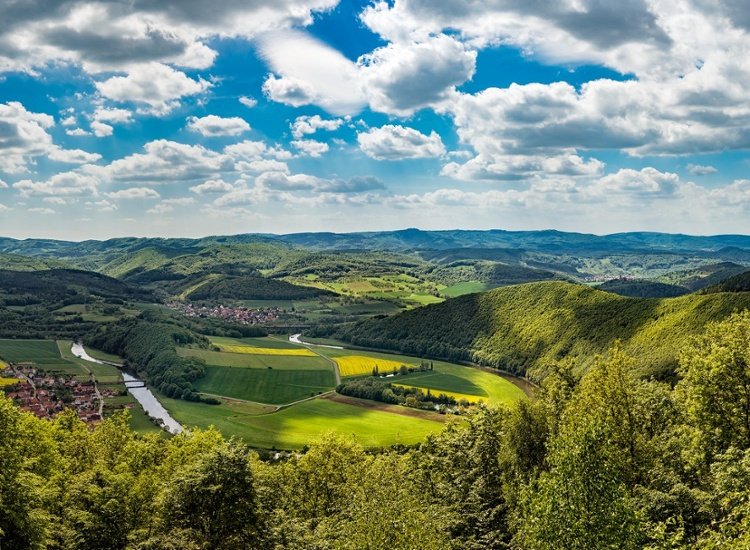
[
  {"x": 142, "y": 394},
  {"x": 295, "y": 339}
]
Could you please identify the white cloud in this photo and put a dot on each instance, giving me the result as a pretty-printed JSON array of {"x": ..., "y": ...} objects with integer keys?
[
  {"x": 23, "y": 136},
  {"x": 73, "y": 156},
  {"x": 179, "y": 201},
  {"x": 212, "y": 125},
  {"x": 401, "y": 78},
  {"x": 701, "y": 170},
  {"x": 307, "y": 125},
  {"x": 391, "y": 142},
  {"x": 3, "y": 185},
  {"x": 161, "y": 208},
  {"x": 101, "y": 129},
  {"x": 134, "y": 193},
  {"x": 120, "y": 116},
  {"x": 165, "y": 161},
  {"x": 210, "y": 187},
  {"x": 77, "y": 132},
  {"x": 62, "y": 184},
  {"x": 156, "y": 86},
  {"x": 107, "y": 36},
  {"x": 68, "y": 121},
  {"x": 41, "y": 210},
  {"x": 310, "y": 147},
  {"x": 102, "y": 205},
  {"x": 3, "y": 208},
  {"x": 248, "y": 102},
  {"x": 308, "y": 71}
]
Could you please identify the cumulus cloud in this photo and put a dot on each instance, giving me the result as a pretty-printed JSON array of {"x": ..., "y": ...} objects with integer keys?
[
  {"x": 212, "y": 125},
  {"x": 307, "y": 125},
  {"x": 73, "y": 156},
  {"x": 701, "y": 170},
  {"x": 165, "y": 161},
  {"x": 391, "y": 142},
  {"x": 210, "y": 187},
  {"x": 403, "y": 77},
  {"x": 108, "y": 36},
  {"x": 248, "y": 102},
  {"x": 156, "y": 87},
  {"x": 63, "y": 184},
  {"x": 23, "y": 135},
  {"x": 310, "y": 147},
  {"x": 134, "y": 193},
  {"x": 307, "y": 71},
  {"x": 77, "y": 132}
]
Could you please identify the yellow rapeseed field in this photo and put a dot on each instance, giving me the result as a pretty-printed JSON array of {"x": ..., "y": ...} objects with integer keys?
[
  {"x": 251, "y": 350},
  {"x": 359, "y": 365},
  {"x": 455, "y": 395}
]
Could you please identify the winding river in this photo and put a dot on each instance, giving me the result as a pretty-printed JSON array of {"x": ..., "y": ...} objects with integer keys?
[{"x": 138, "y": 390}]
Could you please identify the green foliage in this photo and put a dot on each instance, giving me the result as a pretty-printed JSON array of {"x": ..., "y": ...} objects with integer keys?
[
  {"x": 529, "y": 327},
  {"x": 715, "y": 385},
  {"x": 738, "y": 283},
  {"x": 385, "y": 392},
  {"x": 642, "y": 288}
]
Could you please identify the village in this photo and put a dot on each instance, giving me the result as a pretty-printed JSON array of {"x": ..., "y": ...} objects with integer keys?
[
  {"x": 46, "y": 395},
  {"x": 240, "y": 315}
]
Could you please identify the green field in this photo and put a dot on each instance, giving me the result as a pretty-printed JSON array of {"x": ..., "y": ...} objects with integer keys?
[
  {"x": 277, "y": 386},
  {"x": 483, "y": 384},
  {"x": 251, "y": 361},
  {"x": 105, "y": 374},
  {"x": 467, "y": 287},
  {"x": 268, "y": 342},
  {"x": 35, "y": 351},
  {"x": 301, "y": 424}
]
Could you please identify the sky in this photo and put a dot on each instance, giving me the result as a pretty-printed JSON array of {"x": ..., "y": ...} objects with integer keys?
[{"x": 197, "y": 117}]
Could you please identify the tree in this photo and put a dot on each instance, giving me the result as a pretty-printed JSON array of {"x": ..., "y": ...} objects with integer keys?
[
  {"x": 212, "y": 501},
  {"x": 714, "y": 389}
]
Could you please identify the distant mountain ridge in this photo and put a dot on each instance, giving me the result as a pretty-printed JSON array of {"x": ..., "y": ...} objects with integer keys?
[{"x": 405, "y": 239}]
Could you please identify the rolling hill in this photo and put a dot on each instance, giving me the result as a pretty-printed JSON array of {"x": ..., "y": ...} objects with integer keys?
[
  {"x": 527, "y": 327},
  {"x": 642, "y": 288},
  {"x": 738, "y": 283}
]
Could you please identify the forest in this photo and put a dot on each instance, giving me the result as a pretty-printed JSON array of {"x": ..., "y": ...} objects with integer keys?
[{"x": 605, "y": 460}]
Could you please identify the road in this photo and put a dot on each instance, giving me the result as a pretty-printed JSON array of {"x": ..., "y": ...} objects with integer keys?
[{"x": 295, "y": 339}]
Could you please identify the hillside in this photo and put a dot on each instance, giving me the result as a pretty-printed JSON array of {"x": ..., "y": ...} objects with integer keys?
[
  {"x": 253, "y": 288},
  {"x": 704, "y": 276},
  {"x": 68, "y": 285},
  {"x": 526, "y": 327},
  {"x": 642, "y": 288},
  {"x": 738, "y": 283}
]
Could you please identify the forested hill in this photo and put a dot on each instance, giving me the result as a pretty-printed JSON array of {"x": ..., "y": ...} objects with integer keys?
[{"x": 528, "y": 327}]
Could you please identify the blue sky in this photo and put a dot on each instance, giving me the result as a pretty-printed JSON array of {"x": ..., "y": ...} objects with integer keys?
[{"x": 189, "y": 117}]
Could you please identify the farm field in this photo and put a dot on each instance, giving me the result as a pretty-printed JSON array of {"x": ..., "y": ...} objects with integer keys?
[
  {"x": 250, "y": 350},
  {"x": 253, "y": 361},
  {"x": 274, "y": 386},
  {"x": 445, "y": 377},
  {"x": 105, "y": 374},
  {"x": 263, "y": 343},
  {"x": 468, "y": 287},
  {"x": 36, "y": 351},
  {"x": 296, "y": 426},
  {"x": 362, "y": 365},
  {"x": 400, "y": 288}
]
